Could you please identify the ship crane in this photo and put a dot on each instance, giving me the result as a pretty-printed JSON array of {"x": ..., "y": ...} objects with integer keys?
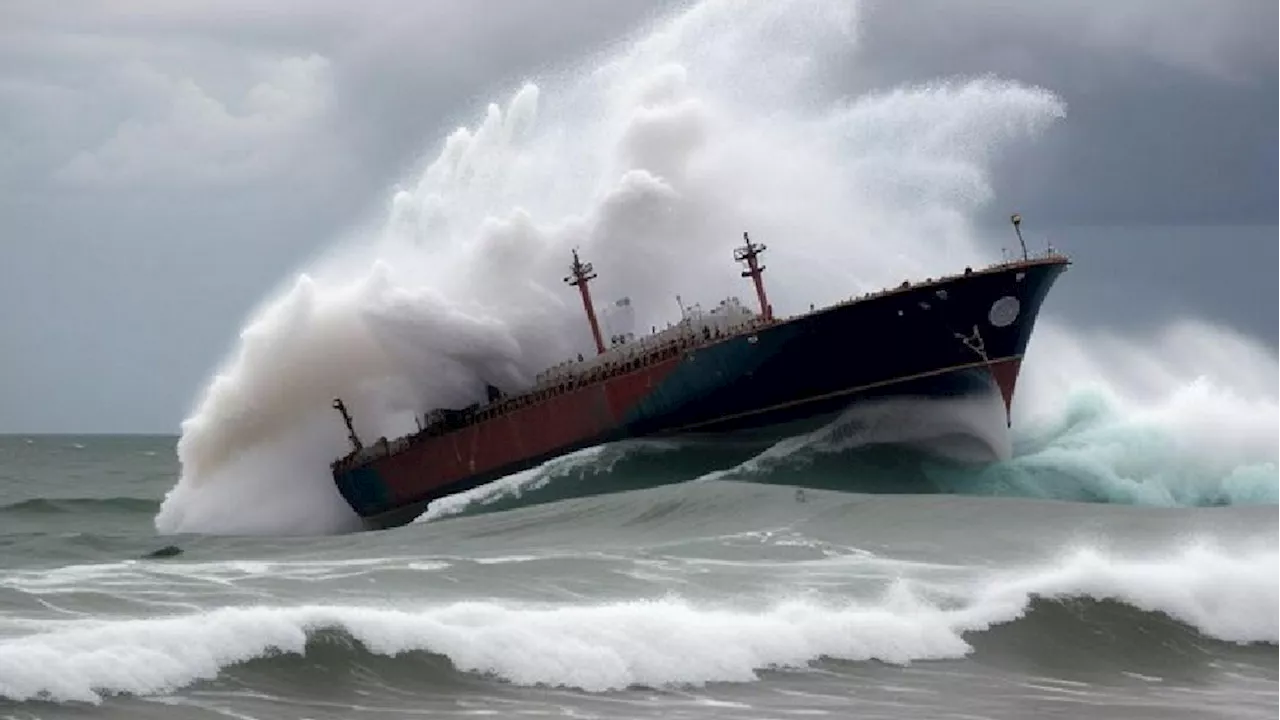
[
  {"x": 749, "y": 253},
  {"x": 583, "y": 273}
]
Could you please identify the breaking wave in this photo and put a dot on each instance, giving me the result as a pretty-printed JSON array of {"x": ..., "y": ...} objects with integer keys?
[
  {"x": 1229, "y": 594},
  {"x": 1188, "y": 416},
  {"x": 596, "y": 463}
]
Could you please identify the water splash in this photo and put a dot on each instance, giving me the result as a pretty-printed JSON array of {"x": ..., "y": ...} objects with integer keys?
[{"x": 1188, "y": 416}]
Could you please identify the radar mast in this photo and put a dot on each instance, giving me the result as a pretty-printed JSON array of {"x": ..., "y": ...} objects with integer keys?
[
  {"x": 750, "y": 253},
  {"x": 583, "y": 273}
]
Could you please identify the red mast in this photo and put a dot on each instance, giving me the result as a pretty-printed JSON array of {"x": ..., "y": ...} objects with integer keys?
[
  {"x": 582, "y": 274},
  {"x": 748, "y": 254}
]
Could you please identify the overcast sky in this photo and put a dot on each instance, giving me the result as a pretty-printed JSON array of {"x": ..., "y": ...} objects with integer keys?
[{"x": 164, "y": 165}]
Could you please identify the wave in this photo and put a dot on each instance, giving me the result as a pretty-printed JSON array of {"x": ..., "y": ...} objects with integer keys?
[
  {"x": 591, "y": 471},
  {"x": 1098, "y": 453},
  {"x": 1187, "y": 416},
  {"x": 1093, "y": 448},
  {"x": 81, "y": 505},
  {"x": 1103, "y": 641},
  {"x": 1073, "y": 638},
  {"x": 969, "y": 428},
  {"x": 1227, "y": 594}
]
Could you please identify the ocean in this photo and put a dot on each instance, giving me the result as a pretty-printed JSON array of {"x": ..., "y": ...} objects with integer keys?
[
  {"x": 1117, "y": 559},
  {"x": 644, "y": 580}
]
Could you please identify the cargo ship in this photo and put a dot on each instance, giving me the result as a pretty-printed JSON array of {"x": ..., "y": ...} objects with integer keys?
[{"x": 730, "y": 371}]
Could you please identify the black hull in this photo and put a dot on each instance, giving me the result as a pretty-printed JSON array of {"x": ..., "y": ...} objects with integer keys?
[{"x": 926, "y": 340}]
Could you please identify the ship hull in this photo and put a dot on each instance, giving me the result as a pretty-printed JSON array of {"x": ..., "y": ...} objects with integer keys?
[{"x": 949, "y": 338}]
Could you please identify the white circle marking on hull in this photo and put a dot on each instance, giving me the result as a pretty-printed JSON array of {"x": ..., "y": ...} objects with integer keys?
[{"x": 1004, "y": 311}]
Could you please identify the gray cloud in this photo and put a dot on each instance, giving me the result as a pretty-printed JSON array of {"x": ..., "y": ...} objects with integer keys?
[
  {"x": 163, "y": 165},
  {"x": 1171, "y": 104},
  {"x": 1224, "y": 40},
  {"x": 1161, "y": 182}
]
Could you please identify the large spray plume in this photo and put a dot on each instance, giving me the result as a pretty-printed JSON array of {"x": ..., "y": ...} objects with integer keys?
[{"x": 652, "y": 162}]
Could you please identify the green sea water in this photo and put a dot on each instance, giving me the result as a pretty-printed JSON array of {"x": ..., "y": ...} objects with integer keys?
[{"x": 681, "y": 592}]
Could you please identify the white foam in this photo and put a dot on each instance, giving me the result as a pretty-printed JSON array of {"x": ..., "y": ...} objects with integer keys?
[
  {"x": 1188, "y": 416},
  {"x": 590, "y": 647},
  {"x": 598, "y": 459},
  {"x": 1228, "y": 593}
]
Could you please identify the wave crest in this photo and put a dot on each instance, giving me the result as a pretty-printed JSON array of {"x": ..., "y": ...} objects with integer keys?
[{"x": 1224, "y": 593}]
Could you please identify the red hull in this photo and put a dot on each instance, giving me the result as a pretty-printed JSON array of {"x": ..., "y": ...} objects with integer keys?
[{"x": 537, "y": 429}]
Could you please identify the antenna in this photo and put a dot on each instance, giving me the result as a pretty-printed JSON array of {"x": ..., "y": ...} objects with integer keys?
[
  {"x": 583, "y": 273},
  {"x": 1016, "y": 219},
  {"x": 749, "y": 253}
]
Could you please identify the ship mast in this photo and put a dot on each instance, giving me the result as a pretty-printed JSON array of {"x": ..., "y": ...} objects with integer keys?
[
  {"x": 346, "y": 419},
  {"x": 582, "y": 274},
  {"x": 749, "y": 253}
]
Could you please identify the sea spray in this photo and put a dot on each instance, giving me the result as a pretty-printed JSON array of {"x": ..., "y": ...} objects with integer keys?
[
  {"x": 652, "y": 162},
  {"x": 1187, "y": 416}
]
